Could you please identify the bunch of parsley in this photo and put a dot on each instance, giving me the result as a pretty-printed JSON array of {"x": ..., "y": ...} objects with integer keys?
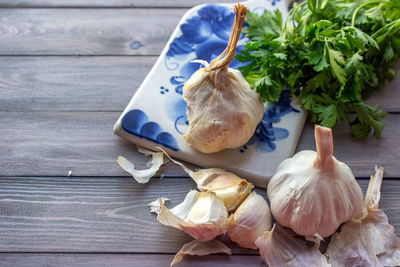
[{"x": 331, "y": 54}]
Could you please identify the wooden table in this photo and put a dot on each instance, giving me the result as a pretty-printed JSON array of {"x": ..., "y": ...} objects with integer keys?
[{"x": 67, "y": 70}]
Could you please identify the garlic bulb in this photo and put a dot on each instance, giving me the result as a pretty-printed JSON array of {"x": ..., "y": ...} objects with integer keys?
[
  {"x": 280, "y": 247},
  {"x": 368, "y": 240},
  {"x": 227, "y": 186},
  {"x": 201, "y": 215},
  {"x": 223, "y": 111},
  {"x": 312, "y": 192},
  {"x": 249, "y": 221}
]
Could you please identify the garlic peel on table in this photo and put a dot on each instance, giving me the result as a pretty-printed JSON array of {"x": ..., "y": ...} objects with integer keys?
[
  {"x": 250, "y": 220},
  {"x": 143, "y": 176},
  {"x": 368, "y": 239},
  {"x": 201, "y": 215},
  {"x": 201, "y": 248},
  {"x": 223, "y": 111},
  {"x": 313, "y": 193},
  {"x": 226, "y": 185},
  {"x": 279, "y": 247}
]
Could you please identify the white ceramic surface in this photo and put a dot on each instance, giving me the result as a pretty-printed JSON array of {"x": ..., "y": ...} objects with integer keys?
[{"x": 156, "y": 114}]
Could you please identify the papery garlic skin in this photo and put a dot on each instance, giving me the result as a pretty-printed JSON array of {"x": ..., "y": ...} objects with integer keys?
[
  {"x": 223, "y": 111},
  {"x": 201, "y": 215},
  {"x": 226, "y": 185},
  {"x": 368, "y": 239},
  {"x": 313, "y": 193},
  {"x": 249, "y": 221},
  {"x": 280, "y": 248},
  {"x": 201, "y": 248}
]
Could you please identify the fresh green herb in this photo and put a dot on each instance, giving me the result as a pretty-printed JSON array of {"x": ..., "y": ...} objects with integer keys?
[{"x": 332, "y": 54}]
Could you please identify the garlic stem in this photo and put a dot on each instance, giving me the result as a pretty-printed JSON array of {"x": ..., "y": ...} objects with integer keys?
[
  {"x": 219, "y": 66},
  {"x": 324, "y": 141}
]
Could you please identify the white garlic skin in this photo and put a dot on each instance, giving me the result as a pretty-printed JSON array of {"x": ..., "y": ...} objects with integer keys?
[
  {"x": 223, "y": 116},
  {"x": 311, "y": 201}
]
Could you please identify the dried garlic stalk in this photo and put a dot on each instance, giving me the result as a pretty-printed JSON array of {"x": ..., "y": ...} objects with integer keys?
[
  {"x": 368, "y": 240},
  {"x": 279, "y": 247},
  {"x": 143, "y": 176},
  {"x": 227, "y": 186},
  {"x": 201, "y": 248},
  {"x": 201, "y": 215},
  {"x": 223, "y": 111},
  {"x": 249, "y": 221},
  {"x": 313, "y": 193}
]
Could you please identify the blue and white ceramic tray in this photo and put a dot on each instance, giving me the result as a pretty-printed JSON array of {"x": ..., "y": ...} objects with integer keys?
[{"x": 156, "y": 114}]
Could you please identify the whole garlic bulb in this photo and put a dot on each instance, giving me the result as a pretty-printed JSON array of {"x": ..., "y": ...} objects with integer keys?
[
  {"x": 249, "y": 221},
  {"x": 223, "y": 111},
  {"x": 313, "y": 193}
]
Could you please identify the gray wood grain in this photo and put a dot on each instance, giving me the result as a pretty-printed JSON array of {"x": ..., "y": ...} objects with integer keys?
[
  {"x": 86, "y": 31},
  {"x": 108, "y": 215},
  {"x": 52, "y": 143},
  {"x": 107, "y": 3},
  {"x": 95, "y": 83},
  {"x": 70, "y": 83},
  {"x": 123, "y": 260}
]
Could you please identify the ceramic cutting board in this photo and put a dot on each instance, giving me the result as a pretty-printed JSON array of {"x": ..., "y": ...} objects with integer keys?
[{"x": 156, "y": 114}]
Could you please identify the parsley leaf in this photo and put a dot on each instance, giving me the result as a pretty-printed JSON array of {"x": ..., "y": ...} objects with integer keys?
[{"x": 331, "y": 54}]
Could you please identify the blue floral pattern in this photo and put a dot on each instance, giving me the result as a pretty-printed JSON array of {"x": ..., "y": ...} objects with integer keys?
[
  {"x": 204, "y": 36},
  {"x": 136, "y": 122}
]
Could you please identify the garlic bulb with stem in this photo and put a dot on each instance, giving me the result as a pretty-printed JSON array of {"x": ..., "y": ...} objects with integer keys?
[
  {"x": 227, "y": 186},
  {"x": 368, "y": 239},
  {"x": 249, "y": 221},
  {"x": 223, "y": 111},
  {"x": 201, "y": 215},
  {"x": 313, "y": 193}
]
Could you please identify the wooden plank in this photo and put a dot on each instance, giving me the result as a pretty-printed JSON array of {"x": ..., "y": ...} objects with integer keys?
[
  {"x": 86, "y": 31},
  {"x": 97, "y": 83},
  {"x": 70, "y": 83},
  {"x": 108, "y": 215},
  {"x": 123, "y": 260},
  {"x": 110, "y": 3},
  {"x": 52, "y": 143}
]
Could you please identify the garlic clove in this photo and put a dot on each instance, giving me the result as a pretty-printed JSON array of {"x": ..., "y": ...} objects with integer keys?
[
  {"x": 201, "y": 215},
  {"x": 249, "y": 221},
  {"x": 369, "y": 239},
  {"x": 223, "y": 111},
  {"x": 313, "y": 193},
  {"x": 143, "y": 176},
  {"x": 201, "y": 248},
  {"x": 229, "y": 187},
  {"x": 279, "y": 247}
]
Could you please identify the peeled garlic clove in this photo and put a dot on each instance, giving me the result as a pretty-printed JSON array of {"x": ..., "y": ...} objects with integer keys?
[
  {"x": 313, "y": 193},
  {"x": 229, "y": 187},
  {"x": 201, "y": 215},
  {"x": 201, "y": 248},
  {"x": 369, "y": 239},
  {"x": 143, "y": 176},
  {"x": 249, "y": 221},
  {"x": 223, "y": 111},
  {"x": 279, "y": 247}
]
